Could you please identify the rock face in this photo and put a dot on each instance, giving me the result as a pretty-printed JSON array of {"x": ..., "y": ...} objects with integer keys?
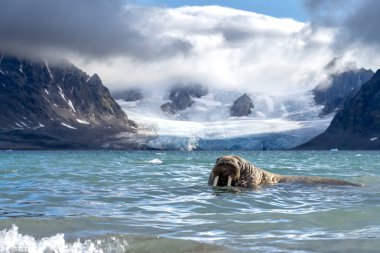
[
  {"x": 128, "y": 95},
  {"x": 181, "y": 97},
  {"x": 169, "y": 108},
  {"x": 341, "y": 87},
  {"x": 357, "y": 125},
  {"x": 242, "y": 106},
  {"x": 57, "y": 106}
]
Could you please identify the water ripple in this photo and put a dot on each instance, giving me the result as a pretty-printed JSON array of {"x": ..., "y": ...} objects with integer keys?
[{"x": 132, "y": 193}]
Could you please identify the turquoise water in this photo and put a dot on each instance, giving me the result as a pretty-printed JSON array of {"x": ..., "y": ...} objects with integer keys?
[{"x": 147, "y": 201}]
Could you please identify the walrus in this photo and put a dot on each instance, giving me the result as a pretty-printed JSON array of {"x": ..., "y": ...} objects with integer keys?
[{"x": 236, "y": 171}]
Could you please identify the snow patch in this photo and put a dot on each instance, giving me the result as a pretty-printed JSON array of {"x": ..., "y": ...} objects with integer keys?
[
  {"x": 46, "y": 91},
  {"x": 21, "y": 68},
  {"x": 24, "y": 124},
  {"x": 48, "y": 69},
  {"x": 68, "y": 126},
  {"x": 71, "y": 105},
  {"x": 61, "y": 93},
  {"x": 1, "y": 60},
  {"x": 39, "y": 126},
  {"x": 68, "y": 101},
  {"x": 83, "y": 122},
  {"x": 373, "y": 139}
]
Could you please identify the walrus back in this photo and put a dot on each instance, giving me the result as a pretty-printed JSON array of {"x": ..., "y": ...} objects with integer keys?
[
  {"x": 258, "y": 176},
  {"x": 316, "y": 180}
]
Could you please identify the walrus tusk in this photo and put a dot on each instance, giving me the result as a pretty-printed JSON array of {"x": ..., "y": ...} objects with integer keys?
[
  {"x": 216, "y": 181},
  {"x": 229, "y": 181}
]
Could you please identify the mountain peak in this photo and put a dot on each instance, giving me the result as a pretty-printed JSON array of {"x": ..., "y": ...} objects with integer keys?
[
  {"x": 242, "y": 106},
  {"x": 357, "y": 125},
  {"x": 60, "y": 105}
]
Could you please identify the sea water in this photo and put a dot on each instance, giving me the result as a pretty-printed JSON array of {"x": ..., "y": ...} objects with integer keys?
[{"x": 150, "y": 201}]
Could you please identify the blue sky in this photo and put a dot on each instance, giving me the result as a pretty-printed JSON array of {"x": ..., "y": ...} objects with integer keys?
[{"x": 276, "y": 8}]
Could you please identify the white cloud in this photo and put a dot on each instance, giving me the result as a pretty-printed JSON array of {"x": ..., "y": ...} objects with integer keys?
[
  {"x": 212, "y": 45},
  {"x": 230, "y": 49}
]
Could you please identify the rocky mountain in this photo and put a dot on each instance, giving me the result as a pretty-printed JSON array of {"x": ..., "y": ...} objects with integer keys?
[
  {"x": 58, "y": 106},
  {"x": 341, "y": 85},
  {"x": 242, "y": 106},
  {"x": 128, "y": 95},
  {"x": 357, "y": 125},
  {"x": 181, "y": 97}
]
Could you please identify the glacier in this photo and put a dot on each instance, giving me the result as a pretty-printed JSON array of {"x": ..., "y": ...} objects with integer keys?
[{"x": 277, "y": 122}]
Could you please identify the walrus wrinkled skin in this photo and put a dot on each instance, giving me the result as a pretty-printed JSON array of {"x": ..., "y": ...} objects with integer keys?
[{"x": 235, "y": 171}]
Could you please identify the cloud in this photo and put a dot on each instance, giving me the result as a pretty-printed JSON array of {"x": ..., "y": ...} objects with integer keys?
[
  {"x": 357, "y": 20},
  {"x": 363, "y": 24},
  {"x": 151, "y": 47},
  {"x": 356, "y": 27},
  {"x": 91, "y": 28},
  {"x": 327, "y": 12},
  {"x": 231, "y": 49}
]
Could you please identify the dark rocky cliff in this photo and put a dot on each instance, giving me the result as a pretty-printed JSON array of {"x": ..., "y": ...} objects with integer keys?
[
  {"x": 357, "y": 125},
  {"x": 57, "y": 106},
  {"x": 242, "y": 106},
  {"x": 342, "y": 86},
  {"x": 128, "y": 95},
  {"x": 181, "y": 97}
]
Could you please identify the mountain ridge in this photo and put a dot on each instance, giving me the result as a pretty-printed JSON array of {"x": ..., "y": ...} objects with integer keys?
[
  {"x": 342, "y": 85},
  {"x": 57, "y": 106},
  {"x": 357, "y": 125}
]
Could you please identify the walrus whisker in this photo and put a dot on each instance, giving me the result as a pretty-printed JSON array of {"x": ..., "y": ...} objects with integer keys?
[
  {"x": 229, "y": 181},
  {"x": 216, "y": 181}
]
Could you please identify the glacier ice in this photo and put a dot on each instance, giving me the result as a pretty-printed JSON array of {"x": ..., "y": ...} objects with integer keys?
[{"x": 276, "y": 122}]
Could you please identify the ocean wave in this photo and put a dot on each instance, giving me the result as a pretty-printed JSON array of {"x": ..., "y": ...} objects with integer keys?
[
  {"x": 12, "y": 241},
  {"x": 155, "y": 161}
]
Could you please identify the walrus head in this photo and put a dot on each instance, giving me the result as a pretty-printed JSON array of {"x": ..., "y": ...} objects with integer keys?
[{"x": 226, "y": 171}]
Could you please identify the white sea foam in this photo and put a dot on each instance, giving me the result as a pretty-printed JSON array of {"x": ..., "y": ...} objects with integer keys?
[
  {"x": 155, "y": 161},
  {"x": 12, "y": 241}
]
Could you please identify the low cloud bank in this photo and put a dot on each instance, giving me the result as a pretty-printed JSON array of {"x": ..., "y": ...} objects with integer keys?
[{"x": 135, "y": 46}]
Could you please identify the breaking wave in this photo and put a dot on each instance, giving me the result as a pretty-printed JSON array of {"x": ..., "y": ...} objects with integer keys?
[
  {"x": 155, "y": 161},
  {"x": 12, "y": 241}
]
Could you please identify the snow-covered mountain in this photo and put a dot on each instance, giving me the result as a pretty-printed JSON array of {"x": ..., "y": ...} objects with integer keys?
[
  {"x": 58, "y": 106},
  {"x": 275, "y": 122}
]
